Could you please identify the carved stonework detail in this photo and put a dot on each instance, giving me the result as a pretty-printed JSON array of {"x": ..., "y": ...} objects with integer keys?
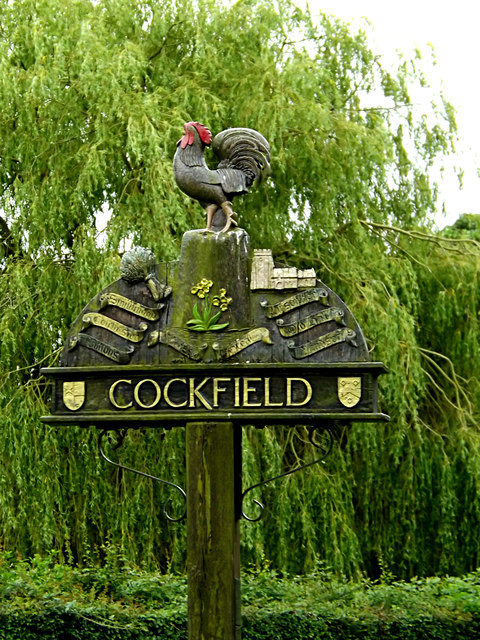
[
  {"x": 266, "y": 276},
  {"x": 139, "y": 265}
]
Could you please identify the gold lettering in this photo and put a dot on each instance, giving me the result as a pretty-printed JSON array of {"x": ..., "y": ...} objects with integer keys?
[
  {"x": 307, "y": 398},
  {"x": 237, "y": 392},
  {"x": 166, "y": 396},
  {"x": 235, "y": 346},
  {"x": 129, "y": 333},
  {"x": 298, "y": 300},
  {"x": 138, "y": 309},
  {"x": 268, "y": 402},
  {"x": 111, "y": 395},
  {"x": 136, "y": 394},
  {"x": 332, "y": 313},
  {"x": 194, "y": 392},
  {"x": 247, "y": 390},
  {"x": 323, "y": 342},
  {"x": 217, "y": 389}
]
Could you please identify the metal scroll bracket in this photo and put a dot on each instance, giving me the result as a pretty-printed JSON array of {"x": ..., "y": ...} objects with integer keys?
[
  {"x": 121, "y": 438},
  {"x": 324, "y": 447}
]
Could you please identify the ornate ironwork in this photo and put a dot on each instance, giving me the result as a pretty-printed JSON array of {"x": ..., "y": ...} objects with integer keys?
[
  {"x": 121, "y": 433},
  {"x": 326, "y": 450}
]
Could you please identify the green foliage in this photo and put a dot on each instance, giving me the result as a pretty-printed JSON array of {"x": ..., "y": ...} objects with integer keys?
[
  {"x": 467, "y": 226},
  {"x": 42, "y": 597},
  {"x": 93, "y": 98}
]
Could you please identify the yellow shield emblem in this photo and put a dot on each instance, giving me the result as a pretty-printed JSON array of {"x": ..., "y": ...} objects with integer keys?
[
  {"x": 349, "y": 391},
  {"x": 74, "y": 394}
]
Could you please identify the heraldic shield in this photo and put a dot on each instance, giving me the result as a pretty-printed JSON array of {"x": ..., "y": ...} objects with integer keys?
[
  {"x": 349, "y": 391},
  {"x": 74, "y": 394}
]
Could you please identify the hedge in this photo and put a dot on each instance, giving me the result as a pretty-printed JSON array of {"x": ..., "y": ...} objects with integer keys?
[
  {"x": 42, "y": 599},
  {"x": 57, "y": 624}
]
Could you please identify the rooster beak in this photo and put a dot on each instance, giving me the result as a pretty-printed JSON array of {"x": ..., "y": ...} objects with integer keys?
[{"x": 186, "y": 131}]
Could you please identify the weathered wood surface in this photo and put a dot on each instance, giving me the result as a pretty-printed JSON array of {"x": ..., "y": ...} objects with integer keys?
[
  {"x": 212, "y": 533},
  {"x": 305, "y": 316}
]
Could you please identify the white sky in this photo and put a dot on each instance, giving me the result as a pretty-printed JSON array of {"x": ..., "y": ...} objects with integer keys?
[{"x": 453, "y": 28}]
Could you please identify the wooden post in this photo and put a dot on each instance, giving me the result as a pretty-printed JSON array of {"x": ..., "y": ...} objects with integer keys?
[{"x": 213, "y": 551}]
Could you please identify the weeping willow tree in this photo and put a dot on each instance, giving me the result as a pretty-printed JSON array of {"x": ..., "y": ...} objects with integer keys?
[{"x": 93, "y": 97}]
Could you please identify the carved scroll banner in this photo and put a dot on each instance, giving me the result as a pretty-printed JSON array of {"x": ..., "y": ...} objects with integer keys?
[
  {"x": 234, "y": 347},
  {"x": 121, "y": 356},
  {"x": 171, "y": 339},
  {"x": 323, "y": 342},
  {"x": 298, "y": 300},
  {"x": 288, "y": 330},
  {"x": 116, "y": 300},
  {"x": 129, "y": 333}
]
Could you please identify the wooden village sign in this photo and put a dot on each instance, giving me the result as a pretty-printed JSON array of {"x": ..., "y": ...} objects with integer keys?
[{"x": 221, "y": 338}]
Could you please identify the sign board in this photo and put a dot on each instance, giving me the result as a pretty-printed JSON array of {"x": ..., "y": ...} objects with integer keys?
[
  {"x": 240, "y": 393},
  {"x": 224, "y": 334}
]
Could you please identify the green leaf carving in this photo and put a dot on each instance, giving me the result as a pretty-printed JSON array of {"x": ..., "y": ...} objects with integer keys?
[
  {"x": 196, "y": 313},
  {"x": 217, "y": 327}
]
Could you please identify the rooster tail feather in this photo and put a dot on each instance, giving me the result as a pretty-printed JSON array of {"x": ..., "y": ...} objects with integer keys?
[{"x": 245, "y": 150}]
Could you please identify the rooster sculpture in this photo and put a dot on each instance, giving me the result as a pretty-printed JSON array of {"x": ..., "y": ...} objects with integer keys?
[{"x": 244, "y": 158}]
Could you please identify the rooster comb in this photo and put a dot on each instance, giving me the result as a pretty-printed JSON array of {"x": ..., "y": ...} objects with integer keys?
[{"x": 202, "y": 130}]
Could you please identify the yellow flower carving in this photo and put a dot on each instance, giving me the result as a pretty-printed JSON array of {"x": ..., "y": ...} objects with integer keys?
[{"x": 204, "y": 319}]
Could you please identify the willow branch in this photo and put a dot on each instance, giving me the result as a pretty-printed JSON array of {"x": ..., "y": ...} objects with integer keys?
[
  {"x": 162, "y": 46},
  {"x": 6, "y": 237},
  {"x": 453, "y": 379},
  {"x": 440, "y": 241}
]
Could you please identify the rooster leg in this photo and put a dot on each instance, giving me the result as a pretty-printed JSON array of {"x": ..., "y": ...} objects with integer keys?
[
  {"x": 210, "y": 211},
  {"x": 230, "y": 216}
]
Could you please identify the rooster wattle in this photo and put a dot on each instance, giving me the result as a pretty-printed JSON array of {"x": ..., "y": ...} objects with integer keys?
[{"x": 244, "y": 157}]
